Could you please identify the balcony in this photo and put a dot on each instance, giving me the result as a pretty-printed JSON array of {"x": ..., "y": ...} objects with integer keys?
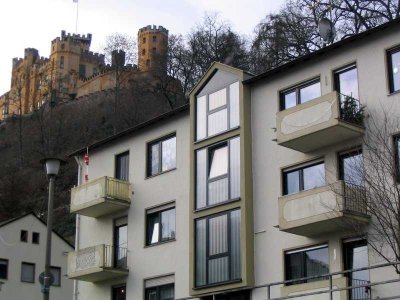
[
  {"x": 324, "y": 121},
  {"x": 339, "y": 206},
  {"x": 97, "y": 263},
  {"x": 101, "y": 197}
]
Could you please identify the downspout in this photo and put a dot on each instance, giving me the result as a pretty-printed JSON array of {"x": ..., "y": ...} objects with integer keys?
[{"x": 77, "y": 225}]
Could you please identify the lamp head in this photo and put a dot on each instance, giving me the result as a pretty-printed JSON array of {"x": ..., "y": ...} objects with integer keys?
[{"x": 52, "y": 165}]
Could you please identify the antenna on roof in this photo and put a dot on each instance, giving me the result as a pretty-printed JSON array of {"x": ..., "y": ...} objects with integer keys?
[{"x": 327, "y": 31}]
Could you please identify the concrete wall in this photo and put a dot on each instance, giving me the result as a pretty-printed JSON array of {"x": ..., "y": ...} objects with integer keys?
[
  {"x": 269, "y": 158},
  {"x": 16, "y": 252},
  {"x": 144, "y": 262}
]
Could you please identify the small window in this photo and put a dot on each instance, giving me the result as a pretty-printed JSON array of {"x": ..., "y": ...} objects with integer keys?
[
  {"x": 143, "y": 51},
  {"x": 122, "y": 166},
  {"x": 148, "y": 63},
  {"x": 3, "y": 268},
  {"x": 160, "y": 224},
  {"x": 82, "y": 71},
  {"x": 393, "y": 59},
  {"x": 396, "y": 142},
  {"x": 24, "y": 235},
  {"x": 351, "y": 167},
  {"x": 154, "y": 39},
  {"x": 62, "y": 46},
  {"x": 94, "y": 71},
  {"x": 62, "y": 62},
  {"x": 144, "y": 40},
  {"x": 161, "y": 155},
  {"x": 119, "y": 292},
  {"x": 35, "y": 237},
  {"x": 28, "y": 272},
  {"x": 163, "y": 292},
  {"x": 154, "y": 50},
  {"x": 307, "y": 262},
  {"x": 56, "y": 271},
  {"x": 300, "y": 94},
  {"x": 303, "y": 178}
]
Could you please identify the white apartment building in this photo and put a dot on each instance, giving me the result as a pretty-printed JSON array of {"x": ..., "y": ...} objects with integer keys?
[
  {"x": 22, "y": 248},
  {"x": 260, "y": 188}
]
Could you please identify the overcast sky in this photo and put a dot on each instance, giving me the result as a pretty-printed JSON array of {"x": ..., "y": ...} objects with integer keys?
[{"x": 34, "y": 23}]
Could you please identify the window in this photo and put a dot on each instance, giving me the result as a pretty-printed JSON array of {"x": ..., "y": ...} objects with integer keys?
[
  {"x": 122, "y": 166},
  {"x": 144, "y": 40},
  {"x": 82, "y": 71},
  {"x": 3, "y": 268},
  {"x": 148, "y": 62},
  {"x": 162, "y": 292},
  {"x": 160, "y": 224},
  {"x": 144, "y": 52},
  {"x": 346, "y": 81},
  {"x": 28, "y": 272},
  {"x": 303, "y": 178},
  {"x": 154, "y": 39},
  {"x": 119, "y": 292},
  {"x": 24, "y": 236},
  {"x": 307, "y": 262},
  {"x": 218, "y": 173},
  {"x": 35, "y": 237},
  {"x": 56, "y": 271},
  {"x": 154, "y": 51},
  {"x": 351, "y": 167},
  {"x": 217, "y": 112},
  {"x": 120, "y": 242},
  {"x": 62, "y": 46},
  {"x": 62, "y": 62},
  {"x": 300, "y": 94},
  {"x": 393, "y": 59},
  {"x": 94, "y": 71},
  {"x": 218, "y": 251},
  {"x": 396, "y": 142},
  {"x": 161, "y": 155}
]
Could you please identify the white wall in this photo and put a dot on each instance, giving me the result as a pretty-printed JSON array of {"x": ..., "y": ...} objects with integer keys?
[{"x": 15, "y": 251}]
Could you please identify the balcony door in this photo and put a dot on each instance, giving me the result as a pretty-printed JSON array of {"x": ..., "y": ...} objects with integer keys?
[
  {"x": 119, "y": 293},
  {"x": 120, "y": 242},
  {"x": 355, "y": 255}
]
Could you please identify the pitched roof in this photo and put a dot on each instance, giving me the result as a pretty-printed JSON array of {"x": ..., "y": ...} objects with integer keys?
[
  {"x": 326, "y": 50},
  {"x": 6, "y": 222}
]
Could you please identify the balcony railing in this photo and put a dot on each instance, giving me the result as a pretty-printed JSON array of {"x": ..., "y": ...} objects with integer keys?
[
  {"x": 360, "y": 290},
  {"x": 321, "y": 122},
  {"x": 355, "y": 198},
  {"x": 100, "y": 197},
  {"x": 98, "y": 263}
]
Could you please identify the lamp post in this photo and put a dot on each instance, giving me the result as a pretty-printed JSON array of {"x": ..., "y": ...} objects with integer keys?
[{"x": 52, "y": 168}]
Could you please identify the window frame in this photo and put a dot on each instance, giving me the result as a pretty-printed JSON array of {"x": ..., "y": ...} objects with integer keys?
[
  {"x": 228, "y": 253},
  {"x": 346, "y": 154},
  {"x": 158, "y": 290},
  {"x": 297, "y": 88},
  {"x": 116, "y": 165},
  {"x": 338, "y": 72},
  {"x": 299, "y": 168},
  {"x": 114, "y": 289},
  {"x": 116, "y": 239},
  {"x": 396, "y": 153},
  {"x": 304, "y": 250},
  {"x": 389, "y": 61},
  {"x": 61, "y": 62},
  {"x": 159, "y": 210},
  {"x": 34, "y": 271},
  {"x": 34, "y": 233},
  {"x": 22, "y": 238},
  {"x": 159, "y": 141},
  {"x": 7, "y": 265},
  {"x": 59, "y": 271}
]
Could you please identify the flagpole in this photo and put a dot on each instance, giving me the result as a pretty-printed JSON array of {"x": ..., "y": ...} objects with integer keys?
[{"x": 76, "y": 23}]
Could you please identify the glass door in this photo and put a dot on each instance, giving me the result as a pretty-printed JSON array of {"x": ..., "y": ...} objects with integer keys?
[{"x": 120, "y": 243}]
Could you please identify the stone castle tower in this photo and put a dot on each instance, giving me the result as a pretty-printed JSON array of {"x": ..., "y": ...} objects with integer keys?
[{"x": 152, "y": 47}]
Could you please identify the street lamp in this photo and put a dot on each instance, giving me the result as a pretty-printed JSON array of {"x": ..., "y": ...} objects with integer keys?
[{"x": 52, "y": 167}]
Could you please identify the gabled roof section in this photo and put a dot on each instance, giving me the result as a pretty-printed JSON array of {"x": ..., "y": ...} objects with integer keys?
[
  {"x": 215, "y": 66},
  {"x": 6, "y": 222}
]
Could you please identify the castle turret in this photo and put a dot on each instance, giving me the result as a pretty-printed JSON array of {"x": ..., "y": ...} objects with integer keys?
[{"x": 152, "y": 48}]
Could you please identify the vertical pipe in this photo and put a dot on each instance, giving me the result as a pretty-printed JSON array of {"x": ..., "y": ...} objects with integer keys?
[
  {"x": 268, "y": 292},
  {"x": 47, "y": 270},
  {"x": 330, "y": 288},
  {"x": 77, "y": 227}
]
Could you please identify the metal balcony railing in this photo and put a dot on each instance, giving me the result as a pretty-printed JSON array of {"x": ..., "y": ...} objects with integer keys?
[
  {"x": 355, "y": 198},
  {"x": 360, "y": 290},
  {"x": 351, "y": 110},
  {"x": 115, "y": 257}
]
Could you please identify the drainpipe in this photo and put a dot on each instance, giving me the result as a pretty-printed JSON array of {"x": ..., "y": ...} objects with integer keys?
[{"x": 77, "y": 225}]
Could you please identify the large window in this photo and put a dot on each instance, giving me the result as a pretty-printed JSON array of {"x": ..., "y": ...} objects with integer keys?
[
  {"x": 346, "y": 81},
  {"x": 217, "y": 112},
  {"x": 160, "y": 224},
  {"x": 218, "y": 250},
  {"x": 120, "y": 242},
  {"x": 161, "y": 155},
  {"x": 122, "y": 166},
  {"x": 3, "y": 268},
  {"x": 161, "y": 292},
  {"x": 28, "y": 272},
  {"x": 300, "y": 94},
  {"x": 218, "y": 173},
  {"x": 393, "y": 59},
  {"x": 307, "y": 262},
  {"x": 351, "y": 167},
  {"x": 303, "y": 178}
]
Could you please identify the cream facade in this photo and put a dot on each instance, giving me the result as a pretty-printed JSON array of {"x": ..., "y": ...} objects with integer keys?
[
  {"x": 22, "y": 248},
  {"x": 262, "y": 185}
]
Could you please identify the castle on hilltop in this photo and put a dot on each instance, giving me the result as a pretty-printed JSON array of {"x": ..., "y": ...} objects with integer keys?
[{"x": 72, "y": 70}]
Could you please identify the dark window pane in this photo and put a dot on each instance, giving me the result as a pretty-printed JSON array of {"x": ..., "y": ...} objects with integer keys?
[
  {"x": 347, "y": 82},
  {"x": 395, "y": 70},
  {"x": 351, "y": 165},
  {"x": 57, "y": 275},
  {"x": 35, "y": 237},
  {"x": 151, "y": 294},
  {"x": 397, "y": 155},
  {"x": 24, "y": 236},
  {"x": 314, "y": 176},
  {"x": 120, "y": 243},
  {"x": 317, "y": 262},
  {"x": 289, "y": 100},
  {"x": 168, "y": 154},
  {"x": 122, "y": 166},
  {"x": 153, "y": 228},
  {"x": 154, "y": 158},
  {"x": 310, "y": 92},
  {"x": 119, "y": 293},
  {"x": 294, "y": 266},
  {"x": 167, "y": 292},
  {"x": 168, "y": 225},
  {"x": 292, "y": 182},
  {"x": 3, "y": 268},
  {"x": 27, "y": 272}
]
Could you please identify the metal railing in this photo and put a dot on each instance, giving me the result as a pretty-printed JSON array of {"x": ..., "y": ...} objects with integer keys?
[
  {"x": 360, "y": 290},
  {"x": 115, "y": 257},
  {"x": 351, "y": 109},
  {"x": 118, "y": 189},
  {"x": 355, "y": 198}
]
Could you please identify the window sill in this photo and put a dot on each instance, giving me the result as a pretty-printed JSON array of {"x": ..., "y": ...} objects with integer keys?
[
  {"x": 216, "y": 135},
  {"x": 218, "y": 204},
  {"x": 160, "y": 243},
  {"x": 161, "y": 173},
  {"x": 217, "y": 284}
]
